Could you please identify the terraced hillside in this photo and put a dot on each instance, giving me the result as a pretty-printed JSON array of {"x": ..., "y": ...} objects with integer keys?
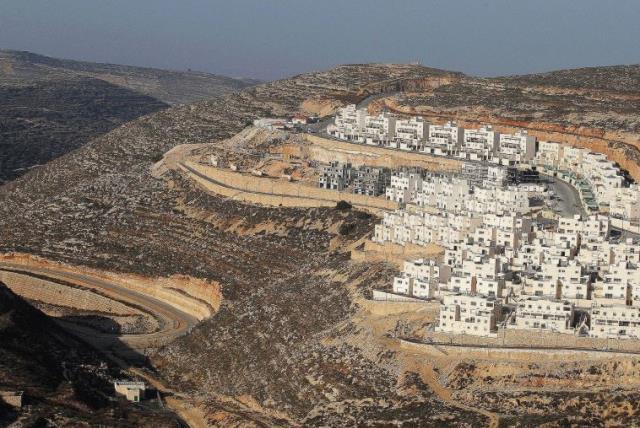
[
  {"x": 295, "y": 342},
  {"x": 49, "y": 107}
]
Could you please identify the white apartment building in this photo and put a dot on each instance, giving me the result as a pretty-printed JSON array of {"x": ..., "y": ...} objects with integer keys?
[
  {"x": 492, "y": 287},
  {"x": 559, "y": 280},
  {"x": 617, "y": 284},
  {"x": 549, "y": 153},
  {"x": 615, "y": 322},
  {"x": 596, "y": 253},
  {"x": 414, "y": 287},
  {"x": 496, "y": 200},
  {"x": 541, "y": 284},
  {"x": 412, "y": 133},
  {"x": 560, "y": 253},
  {"x": 425, "y": 269},
  {"x": 544, "y": 314},
  {"x": 419, "y": 278},
  {"x": 348, "y": 124},
  {"x": 444, "y": 139},
  {"x": 496, "y": 176},
  {"x": 404, "y": 186},
  {"x": 445, "y": 193},
  {"x": 563, "y": 240},
  {"x": 465, "y": 314},
  {"x": 594, "y": 227},
  {"x": 530, "y": 255},
  {"x": 572, "y": 157},
  {"x": 516, "y": 148},
  {"x": 479, "y": 144},
  {"x": 625, "y": 204},
  {"x": 573, "y": 281},
  {"x": 603, "y": 176},
  {"x": 459, "y": 282},
  {"x": 482, "y": 267},
  {"x": 455, "y": 254},
  {"x": 379, "y": 129},
  {"x": 402, "y": 227},
  {"x": 627, "y": 251}
]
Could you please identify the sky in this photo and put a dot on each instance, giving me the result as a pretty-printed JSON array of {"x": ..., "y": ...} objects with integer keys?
[{"x": 271, "y": 39}]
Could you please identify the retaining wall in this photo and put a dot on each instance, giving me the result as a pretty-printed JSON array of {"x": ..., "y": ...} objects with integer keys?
[
  {"x": 538, "y": 339},
  {"x": 200, "y": 305},
  {"x": 61, "y": 295},
  {"x": 276, "y": 192},
  {"x": 625, "y": 225},
  {"x": 394, "y": 253},
  {"x": 383, "y": 296},
  {"x": 438, "y": 350},
  {"x": 327, "y": 150}
]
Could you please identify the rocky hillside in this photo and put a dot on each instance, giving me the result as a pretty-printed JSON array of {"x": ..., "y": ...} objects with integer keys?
[
  {"x": 63, "y": 382},
  {"x": 48, "y": 118},
  {"x": 621, "y": 79},
  {"x": 294, "y": 342},
  {"x": 49, "y": 106}
]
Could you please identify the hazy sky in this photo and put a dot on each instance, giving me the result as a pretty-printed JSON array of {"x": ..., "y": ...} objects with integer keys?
[{"x": 269, "y": 39}]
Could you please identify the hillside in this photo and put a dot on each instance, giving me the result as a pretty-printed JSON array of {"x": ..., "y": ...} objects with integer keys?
[
  {"x": 171, "y": 87},
  {"x": 295, "y": 341},
  {"x": 49, "y": 106},
  {"x": 619, "y": 78},
  {"x": 64, "y": 382},
  {"x": 46, "y": 119}
]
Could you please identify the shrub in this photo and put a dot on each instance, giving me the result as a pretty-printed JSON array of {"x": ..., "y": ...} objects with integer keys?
[
  {"x": 343, "y": 205},
  {"x": 346, "y": 228}
]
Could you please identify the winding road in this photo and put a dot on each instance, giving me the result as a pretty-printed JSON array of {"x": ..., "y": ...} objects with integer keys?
[{"x": 173, "y": 321}]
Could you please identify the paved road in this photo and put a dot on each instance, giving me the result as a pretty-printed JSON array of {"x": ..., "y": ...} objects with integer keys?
[
  {"x": 568, "y": 201},
  {"x": 173, "y": 321}
]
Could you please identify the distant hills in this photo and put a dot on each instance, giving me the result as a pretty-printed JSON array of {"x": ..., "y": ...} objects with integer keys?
[
  {"x": 171, "y": 87},
  {"x": 50, "y": 106}
]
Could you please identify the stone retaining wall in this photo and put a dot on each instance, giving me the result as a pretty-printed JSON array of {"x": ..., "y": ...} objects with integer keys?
[
  {"x": 496, "y": 354},
  {"x": 200, "y": 300},
  {"x": 537, "y": 339},
  {"x": 277, "y": 192},
  {"x": 61, "y": 295},
  {"x": 394, "y": 253},
  {"x": 327, "y": 150}
]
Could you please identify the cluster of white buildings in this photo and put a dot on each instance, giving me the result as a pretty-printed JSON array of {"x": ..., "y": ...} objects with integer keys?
[
  {"x": 568, "y": 278},
  {"x": 456, "y": 194},
  {"x": 284, "y": 124},
  {"x": 500, "y": 267},
  {"x": 386, "y": 129},
  {"x": 600, "y": 181}
]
